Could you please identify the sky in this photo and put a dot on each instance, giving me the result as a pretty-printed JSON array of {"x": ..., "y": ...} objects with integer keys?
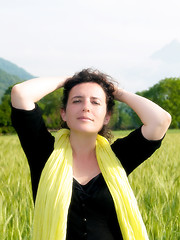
[{"x": 118, "y": 37}]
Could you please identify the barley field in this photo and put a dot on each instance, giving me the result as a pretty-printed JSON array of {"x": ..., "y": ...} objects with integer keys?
[{"x": 156, "y": 184}]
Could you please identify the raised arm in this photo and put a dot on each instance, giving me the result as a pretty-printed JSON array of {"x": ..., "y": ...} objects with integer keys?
[
  {"x": 155, "y": 119},
  {"x": 25, "y": 94}
]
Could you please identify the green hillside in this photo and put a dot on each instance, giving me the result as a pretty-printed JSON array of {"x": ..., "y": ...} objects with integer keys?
[
  {"x": 6, "y": 80},
  {"x": 13, "y": 69},
  {"x": 10, "y": 74}
]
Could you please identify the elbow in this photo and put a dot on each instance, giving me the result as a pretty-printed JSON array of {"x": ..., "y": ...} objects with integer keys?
[
  {"x": 166, "y": 120},
  {"x": 15, "y": 89},
  {"x": 163, "y": 124},
  {"x": 158, "y": 127},
  {"x": 15, "y": 94},
  {"x": 169, "y": 119},
  {"x": 20, "y": 98}
]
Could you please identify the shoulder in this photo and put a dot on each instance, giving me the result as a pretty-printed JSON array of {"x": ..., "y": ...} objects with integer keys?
[
  {"x": 32, "y": 132},
  {"x": 133, "y": 149},
  {"x": 21, "y": 117},
  {"x": 135, "y": 139}
]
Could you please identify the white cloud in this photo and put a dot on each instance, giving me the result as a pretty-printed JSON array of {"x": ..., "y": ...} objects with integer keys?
[{"x": 58, "y": 36}]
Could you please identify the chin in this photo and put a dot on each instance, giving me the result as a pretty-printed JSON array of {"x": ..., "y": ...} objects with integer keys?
[{"x": 84, "y": 130}]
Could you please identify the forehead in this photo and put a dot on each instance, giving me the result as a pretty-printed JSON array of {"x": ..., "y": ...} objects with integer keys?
[{"x": 89, "y": 89}]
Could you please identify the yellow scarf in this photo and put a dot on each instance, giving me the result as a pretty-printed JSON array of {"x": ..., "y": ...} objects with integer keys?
[{"x": 55, "y": 190}]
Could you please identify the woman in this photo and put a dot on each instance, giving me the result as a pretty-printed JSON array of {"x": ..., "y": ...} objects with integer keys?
[{"x": 83, "y": 191}]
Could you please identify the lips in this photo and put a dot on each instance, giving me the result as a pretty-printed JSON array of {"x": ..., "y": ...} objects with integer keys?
[{"x": 84, "y": 118}]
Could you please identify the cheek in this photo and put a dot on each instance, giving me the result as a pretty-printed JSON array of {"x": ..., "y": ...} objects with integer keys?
[
  {"x": 101, "y": 114},
  {"x": 104, "y": 111}
]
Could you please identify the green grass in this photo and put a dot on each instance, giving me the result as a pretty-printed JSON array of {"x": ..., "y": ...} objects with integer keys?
[
  {"x": 16, "y": 205},
  {"x": 156, "y": 184}
]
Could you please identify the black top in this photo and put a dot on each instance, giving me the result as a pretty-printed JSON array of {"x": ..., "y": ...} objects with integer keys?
[{"x": 92, "y": 213}]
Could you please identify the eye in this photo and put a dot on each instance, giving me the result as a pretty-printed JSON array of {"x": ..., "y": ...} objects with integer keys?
[
  {"x": 77, "y": 101},
  {"x": 96, "y": 102}
]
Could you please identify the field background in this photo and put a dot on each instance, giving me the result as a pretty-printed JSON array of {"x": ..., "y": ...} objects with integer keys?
[{"x": 156, "y": 184}]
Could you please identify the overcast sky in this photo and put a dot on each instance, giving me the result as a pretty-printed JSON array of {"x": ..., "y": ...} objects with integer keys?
[{"x": 60, "y": 37}]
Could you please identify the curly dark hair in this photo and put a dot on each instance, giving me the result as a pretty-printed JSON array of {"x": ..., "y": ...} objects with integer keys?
[{"x": 90, "y": 75}]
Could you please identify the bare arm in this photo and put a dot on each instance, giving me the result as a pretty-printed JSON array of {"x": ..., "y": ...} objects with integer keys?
[
  {"x": 155, "y": 119},
  {"x": 24, "y": 95}
]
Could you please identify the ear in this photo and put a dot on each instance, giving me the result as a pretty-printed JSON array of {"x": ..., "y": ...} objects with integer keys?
[
  {"x": 107, "y": 118},
  {"x": 63, "y": 114}
]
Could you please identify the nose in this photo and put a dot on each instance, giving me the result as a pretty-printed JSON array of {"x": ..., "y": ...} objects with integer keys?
[
  {"x": 85, "y": 110},
  {"x": 86, "y": 106}
]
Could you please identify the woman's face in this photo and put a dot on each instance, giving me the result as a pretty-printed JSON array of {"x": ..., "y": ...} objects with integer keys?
[{"x": 86, "y": 109}]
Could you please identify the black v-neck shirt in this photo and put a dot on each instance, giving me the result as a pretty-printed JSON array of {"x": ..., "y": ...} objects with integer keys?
[{"x": 92, "y": 214}]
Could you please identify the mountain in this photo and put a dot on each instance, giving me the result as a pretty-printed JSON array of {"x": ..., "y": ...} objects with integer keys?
[
  {"x": 13, "y": 69},
  {"x": 170, "y": 53},
  {"x": 11, "y": 74},
  {"x": 7, "y": 80}
]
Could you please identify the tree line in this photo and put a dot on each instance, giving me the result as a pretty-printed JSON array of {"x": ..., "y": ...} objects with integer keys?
[{"x": 166, "y": 93}]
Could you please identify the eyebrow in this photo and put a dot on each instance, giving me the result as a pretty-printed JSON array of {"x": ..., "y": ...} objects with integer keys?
[
  {"x": 77, "y": 97},
  {"x": 83, "y": 97}
]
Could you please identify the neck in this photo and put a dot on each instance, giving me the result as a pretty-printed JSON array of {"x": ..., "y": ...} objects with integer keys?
[
  {"x": 83, "y": 145},
  {"x": 85, "y": 165}
]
